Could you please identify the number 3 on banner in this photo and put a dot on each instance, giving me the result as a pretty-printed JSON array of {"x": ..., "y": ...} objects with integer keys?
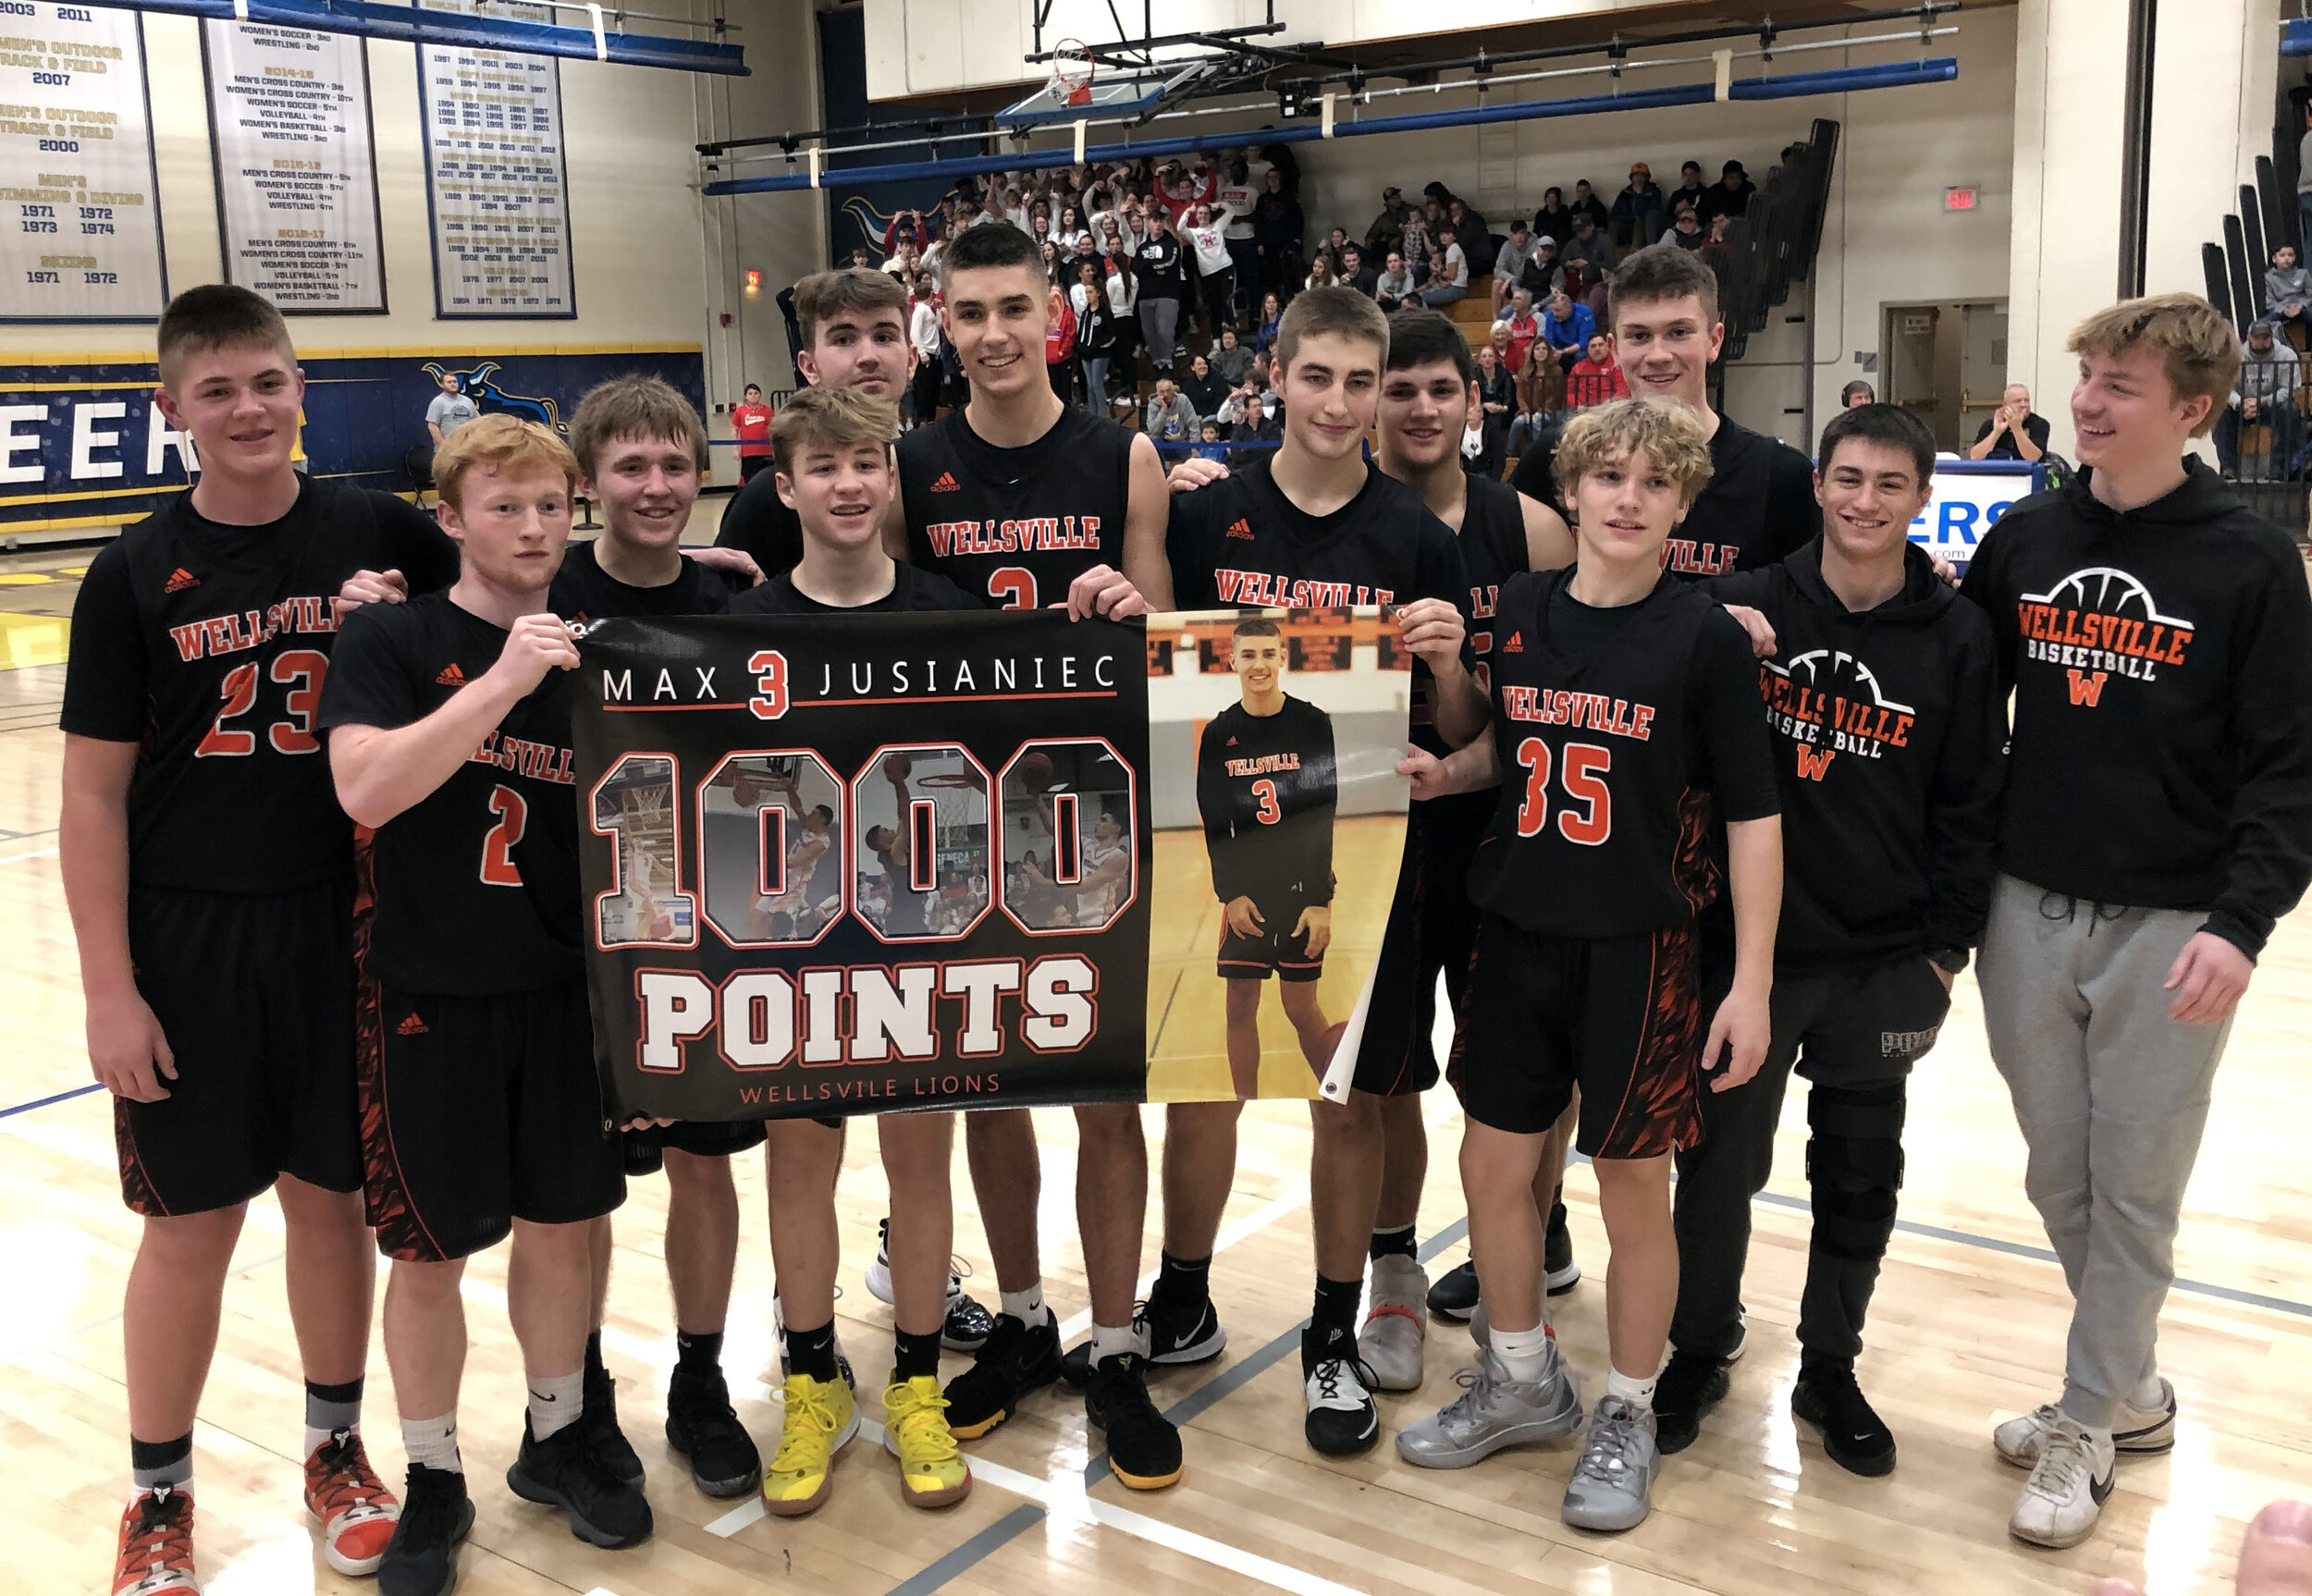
[{"x": 769, "y": 667}]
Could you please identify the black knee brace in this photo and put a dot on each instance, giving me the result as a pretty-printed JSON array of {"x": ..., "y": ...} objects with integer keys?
[{"x": 1855, "y": 1166}]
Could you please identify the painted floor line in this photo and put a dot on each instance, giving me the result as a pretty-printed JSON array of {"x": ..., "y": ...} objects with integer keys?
[
  {"x": 20, "y": 858},
  {"x": 54, "y": 1098}
]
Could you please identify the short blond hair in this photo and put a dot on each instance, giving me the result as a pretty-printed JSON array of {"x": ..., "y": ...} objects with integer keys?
[
  {"x": 2196, "y": 346},
  {"x": 501, "y": 443},
  {"x": 830, "y": 418},
  {"x": 1666, "y": 435}
]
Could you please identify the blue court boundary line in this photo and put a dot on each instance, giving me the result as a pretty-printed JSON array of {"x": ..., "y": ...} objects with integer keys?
[{"x": 57, "y": 1097}]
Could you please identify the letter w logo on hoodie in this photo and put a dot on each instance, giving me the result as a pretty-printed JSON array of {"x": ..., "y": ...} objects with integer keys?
[{"x": 2086, "y": 689}]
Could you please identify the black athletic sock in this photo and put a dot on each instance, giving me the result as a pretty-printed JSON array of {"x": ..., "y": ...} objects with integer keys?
[
  {"x": 914, "y": 1355},
  {"x": 594, "y": 1353},
  {"x": 1336, "y": 1305},
  {"x": 1395, "y": 1243},
  {"x": 812, "y": 1352},
  {"x": 1184, "y": 1285},
  {"x": 700, "y": 1355},
  {"x": 157, "y": 1463}
]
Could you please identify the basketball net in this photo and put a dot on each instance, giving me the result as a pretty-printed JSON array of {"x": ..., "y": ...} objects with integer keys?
[
  {"x": 957, "y": 802},
  {"x": 1072, "y": 70}
]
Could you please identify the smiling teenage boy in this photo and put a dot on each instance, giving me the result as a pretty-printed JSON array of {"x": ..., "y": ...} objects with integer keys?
[
  {"x": 2158, "y": 639},
  {"x": 1021, "y": 500},
  {"x": 1625, "y": 713},
  {"x": 210, "y": 876},
  {"x": 482, "y": 1114},
  {"x": 1316, "y": 524},
  {"x": 1887, "y": 726}
]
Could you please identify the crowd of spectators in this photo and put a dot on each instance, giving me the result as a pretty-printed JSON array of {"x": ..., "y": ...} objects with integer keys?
[{"x": 1175, "y": 274}]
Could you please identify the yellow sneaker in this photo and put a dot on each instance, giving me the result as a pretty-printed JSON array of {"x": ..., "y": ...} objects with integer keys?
[
  {"x": 932, "y": 1473},
  {"x": 823, "y": 1416}
]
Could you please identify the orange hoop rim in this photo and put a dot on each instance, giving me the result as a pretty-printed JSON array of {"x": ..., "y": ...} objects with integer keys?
[{"x": 1072, "y": 71}]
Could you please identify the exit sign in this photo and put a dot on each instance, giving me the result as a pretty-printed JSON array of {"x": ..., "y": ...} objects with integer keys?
[{"x": 1959, "y": 199}]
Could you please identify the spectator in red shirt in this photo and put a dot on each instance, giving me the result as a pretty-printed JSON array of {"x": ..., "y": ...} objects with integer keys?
[
  {"x": 750, "y": 419},
  {"x": 1524, "y": 328},
  {"x": 1597, "y": 376}
]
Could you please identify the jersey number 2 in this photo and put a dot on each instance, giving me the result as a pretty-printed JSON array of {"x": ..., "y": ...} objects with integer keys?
[
  {"x": 1582, "y": 773},
  {"x": 497, "y": 849}
]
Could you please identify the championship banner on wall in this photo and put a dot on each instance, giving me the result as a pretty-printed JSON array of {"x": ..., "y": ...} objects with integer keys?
[
  {"x": 848, "y": 864},
  {"x": 296, "y": 167},
  {"x": 493, "y": 177},
  {"x": 77, "y": 186}
]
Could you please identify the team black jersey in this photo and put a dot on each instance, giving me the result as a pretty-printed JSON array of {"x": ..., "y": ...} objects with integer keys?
[
  {"x": 208, "y": 645},
  {"x": 758, "y": 520},
  {"x": 912, "y": 589},
  {"x": 1493, "y": 544},
  {"x": 583, "y": 591},
  {"x": 1017, "y": 525},
  {"x": 1757, "y": 507},
  {"x": 1617, "y": 732},
  {"x": 1266, "y": 788},
  {"x": 454, "y": 912}
]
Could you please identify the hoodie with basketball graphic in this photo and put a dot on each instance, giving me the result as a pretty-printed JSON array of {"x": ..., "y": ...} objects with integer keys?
[
  {"x": 1888, "y": 726},
  {"x": 2161, "y": 664}
]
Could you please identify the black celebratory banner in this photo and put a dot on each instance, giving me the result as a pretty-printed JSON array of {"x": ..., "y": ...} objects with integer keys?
[{"x": 792, "y": 834}]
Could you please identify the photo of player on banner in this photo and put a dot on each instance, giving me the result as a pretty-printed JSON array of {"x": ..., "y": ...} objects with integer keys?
[{"x": 1280, "y": 818}]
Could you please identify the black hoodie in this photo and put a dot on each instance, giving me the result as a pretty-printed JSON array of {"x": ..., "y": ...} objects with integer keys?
[
  {"x": 2162, "y": 663},
  {"x": 1887, "y": 728}
]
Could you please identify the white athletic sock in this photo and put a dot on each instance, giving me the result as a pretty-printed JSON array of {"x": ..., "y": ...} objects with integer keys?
[
  {"x": 434, "y": 1443},
  {"x": 1111, "y": 1339},
  {"x": 1026, "y": 1305},
  {"x": 556, "y": 1402},
  {"x": 2147, "y": 1396},
  {"x": 1637, "y": 1393},
  {"x": 1523, "y": 1353}
]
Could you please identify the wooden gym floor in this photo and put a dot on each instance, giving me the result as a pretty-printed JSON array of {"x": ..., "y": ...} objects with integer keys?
[{"x": 1968, "y": 1328}]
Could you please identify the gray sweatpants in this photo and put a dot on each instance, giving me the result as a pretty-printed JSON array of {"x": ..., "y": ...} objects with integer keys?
[{"x": 2112, "y": 1096}]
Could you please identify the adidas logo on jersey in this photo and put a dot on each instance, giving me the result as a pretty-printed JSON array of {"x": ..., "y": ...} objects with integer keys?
[
  {"x": 1516, "y": 643},
  {"x": 947, "y": 483},
  {"x": 1232, "y": 742},
  {"x": 1240, "y": 529},
  {"x": 451, "y": 676},
  {"x": 411, "y": 1026},
  {"x": 179, "y": 580}
]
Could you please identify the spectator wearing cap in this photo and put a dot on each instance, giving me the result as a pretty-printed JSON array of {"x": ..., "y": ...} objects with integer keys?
[
  {"x": 2265, "y": 394},
  {"x": 1728, "y": 197},
  {"x": 1689, "y": 187},
  {"x": 1639, "y": 215},
  {"x": 1509, "y": 262},
  {"x": 1542, "y": 275},
  {"x": 1554, "y": 221},
  {"x": 1387, "y": 231},
  {"x": 1686, "y": 230},
  {"x": 2012, "y": 431},
  {"x": 1856, "y": 394},
  {"x": 1585, "y": 202},
  {"x": 2287, "y": 289}
]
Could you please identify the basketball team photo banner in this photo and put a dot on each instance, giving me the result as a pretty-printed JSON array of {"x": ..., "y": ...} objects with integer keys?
[{"x": 842, "y": 864}]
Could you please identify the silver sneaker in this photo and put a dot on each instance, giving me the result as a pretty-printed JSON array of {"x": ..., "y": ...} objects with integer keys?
[
  {"x": 2067, "y": 1489},
  {"x": 1494, "y": 1412},
  {"x": 1611, "y": 1486},
  {"x": 1396, "y": 1324},
  {"x": 2135, "y": 1432}
]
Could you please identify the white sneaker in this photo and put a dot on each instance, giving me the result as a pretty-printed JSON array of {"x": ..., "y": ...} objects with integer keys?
[
  {"x": 1396, "y": 1326},
  {"x": 2065, "y": 1493},
  {"x": 2135, "y": 1432}
]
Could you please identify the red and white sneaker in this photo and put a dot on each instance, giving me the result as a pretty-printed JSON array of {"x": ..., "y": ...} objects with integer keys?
[
  {"x": 156, "y": 1545},
  {"x": 357, "y": 1512}
]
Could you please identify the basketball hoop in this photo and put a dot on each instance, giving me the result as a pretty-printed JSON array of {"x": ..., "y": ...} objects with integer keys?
[
  {"x": 958, "y": 802},
  {"x": 1071, "y": 70}
]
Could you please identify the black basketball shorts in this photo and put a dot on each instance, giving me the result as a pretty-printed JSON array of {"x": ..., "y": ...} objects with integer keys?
[
  {"x": 480, "y": 1110},
  {"x": 1618, "y": 1016},
  {"x": 255, "y": 997},
  {"x": 1277, "y": 948},
  {"x": 1432, "y": 930},
  {"x": 645, "y": 1149}
]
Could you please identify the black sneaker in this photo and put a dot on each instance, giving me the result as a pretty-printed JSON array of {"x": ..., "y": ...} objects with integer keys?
[
  {"x": 967, "y": 1323},
  {"x": 703, "y": 1427},
  {"x": 1455, "y": 1294},
  {"x": 1175, "y": 1339},
  {"x": 422, "y": 1558},
  {"x": 1342, "y": 1417},
  {"x": 1689, "y": 1387},
  {"x": 1143, "y": 1446},
  {"x": 1854, "y": 1436},
  {"x": 1559, "y": 1272},
  {"x": 600, "y": 1424},
  {"x": 567, "y": 1471},
  {"x": 1015, "y": 1360}
]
